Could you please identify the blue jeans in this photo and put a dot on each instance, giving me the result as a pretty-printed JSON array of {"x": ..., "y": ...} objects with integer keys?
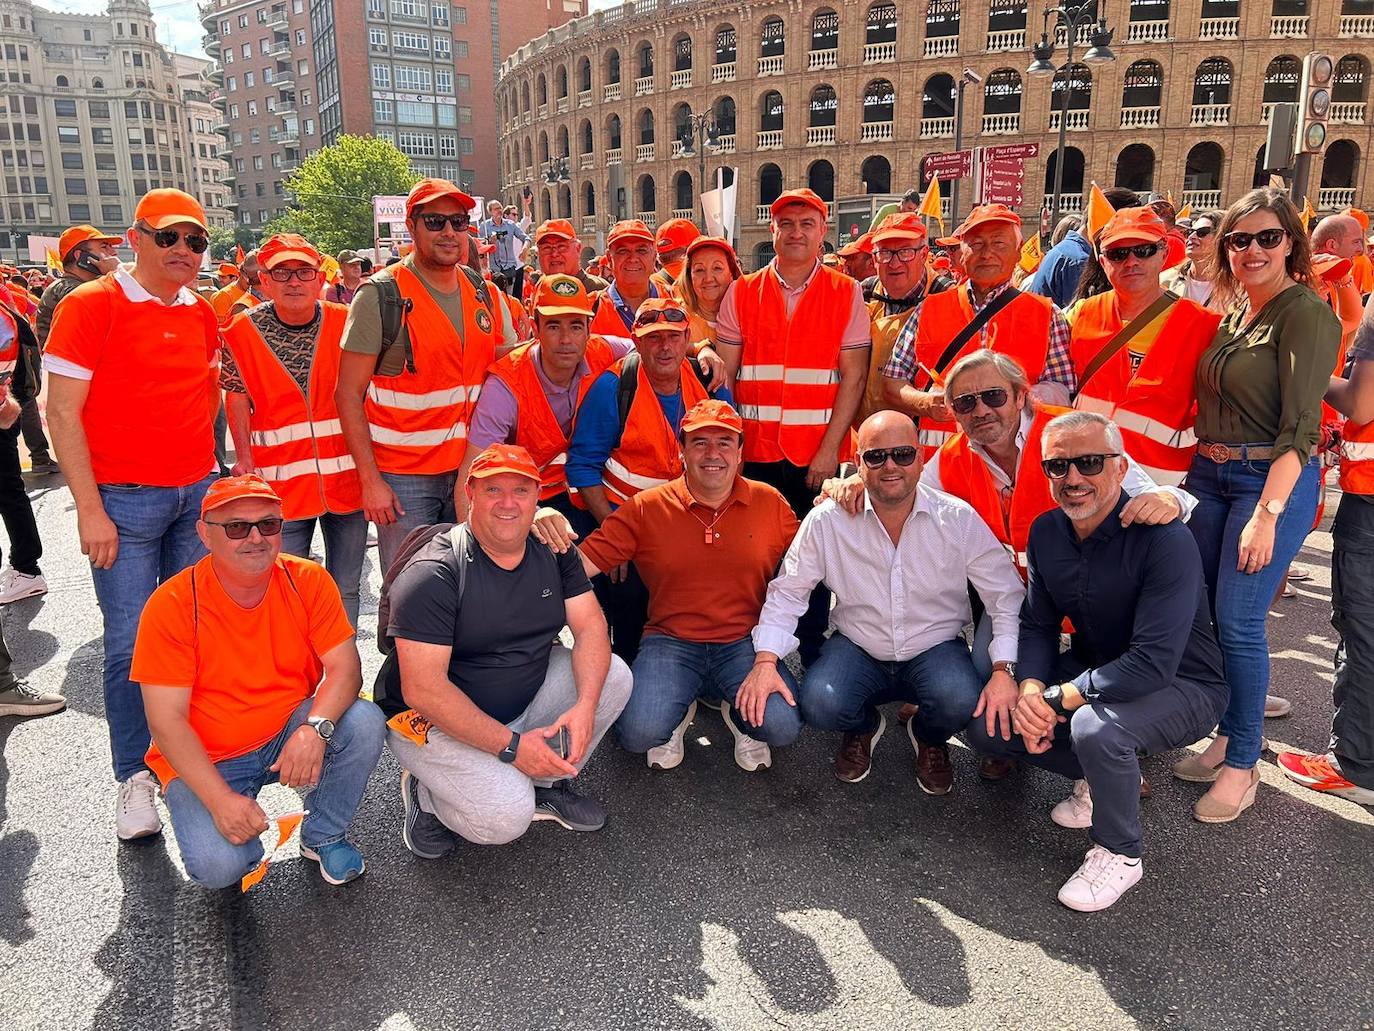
[
  {"x": 1226, "y": 495},
  {"x": 345, "y": 544},
  {"x": 349, "y": 759},
  {"x": 670, "y": 674},
  {"x": 844, "y": 687},
  {"x": 157, "y": 540},
  {"x": 426, "y": 499}
]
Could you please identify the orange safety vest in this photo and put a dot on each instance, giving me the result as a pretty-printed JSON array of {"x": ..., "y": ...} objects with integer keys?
[
  {"x": 1021, "y": 331},
  {"x": 648, "y": 454},
  {"x": 886, "y": 328},
  {"x": 419, "y": 420},
  {"x": 9, "y": 349},
  {"x": 606, "y": 320},
  {"x": 1156, "y": 405},
  {"x": 965, "y": 474},
  {"x": 787, "y": 382},
  {"x": 536, "y": 429},
  {"x": 298, "y": 445}
]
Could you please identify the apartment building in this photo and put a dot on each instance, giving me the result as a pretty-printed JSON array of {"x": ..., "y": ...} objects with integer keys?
[{"x": 204, "y": 146}]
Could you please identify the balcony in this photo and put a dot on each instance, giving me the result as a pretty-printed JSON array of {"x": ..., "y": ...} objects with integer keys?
[
  {"x": 1069, "y": 203},
  {"x": 281, "y": 49},
  {"x": 880, "y": 53},
  {"x": 1202, "y": 200},
  {"x": 1348, "y": 113},
  {"x": 1084, "y": 38},
  {"x": 936, "y": 128},
  {"x": 940, "y": 46},
  {"x": 769, "y": 139},
  {"x": 1288, "y": 27},
  {"x": 610, "y": 92},
  {"x": 1360, "y": 26},
  {"x": 589, "y": 224},
  {"x": 686, "y": 213},
  {"x": 1001, "y": 125},
  {"x": 649, "y": 218},
  {"x": 286, "y": 109},
  {"x": 770, "y": 66},
  {"x": 644, "y": 152},
  {"x": 543, "y": 111},
  {"x": 1077, "y": 121},
  {"x": 725, "y": 143},
  {"x": 1147, "y": 31},
  {"x": 586, "y": 162},
  {"x": 1335, "y": 198},
  {"x": 680, "y": 79},
  {"x": 229, "y": 177},
  {"x": 215, "y": 73},
  {"x": 1007, "y": 39},
  {"x": 560, "y": 105},
  {"x": 1211, "y": 114},
  {"x": 819, "y": 59},
  {"x": 875, "y": 132},
  {"x": 584, "y": 98},
  {"x": 1140, "y": 117},
  {"x": 723, "y": 72},
  {"x": 220, "y": 127},
  {"x": 763, "y": 214},
  {"x": 286, "y": 83},
  {"x": 1219, "y": 28},
  {"x": 820, "y": 136},
  {"x": 677, "y": 150},
  {"x": 209, "y": 15},
  {"x": 613, "y": 155},
  {"x": 211, "y": 45},
  {"x": 644, "y": 85}
]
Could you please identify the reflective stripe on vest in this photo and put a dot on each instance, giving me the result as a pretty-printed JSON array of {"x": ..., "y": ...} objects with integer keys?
[
  {"x": 417, "y": 438},
  {"x": 423, "y": 402},
  {"x": 617, "y": 471},
  {"x": 1160, "y": 433},
  {"x": 1357, "y": 458},
  {"x": 342, "y": 463},
  {"x": 296, "y": 431},
  {"x": 648, "y": 453}
]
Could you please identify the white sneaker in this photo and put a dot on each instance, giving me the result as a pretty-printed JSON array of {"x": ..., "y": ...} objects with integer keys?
[
  {"x": 668, "y": 755},
  {"x": 1076, "y": 811},
  {"x": 1102, "y": 879},
  {"x": 136, "y": 814},
  {"x": 15, "y": 586},
  {"x": 750, "y": 753}
]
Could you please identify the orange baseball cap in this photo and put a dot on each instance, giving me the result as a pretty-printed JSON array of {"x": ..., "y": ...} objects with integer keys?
[
  {"x": 81, "y": 234},
  {"x": 676, "y": 233},
  {"x": 1135, "y": 225},
  {"x": 987, "y": 214},
  {"x": 863, "y": 245},
  {"x": 427, "y": 191},
  {"x": 660, "y": 324},
  {"x": 1359, "y": 216},
  {"x": 629, "y": 229},
  {"x": 503, "y": 458},
  {"x": 555, "y": 228},
  {"x": 166, "y": 207},
  {"x": 712, "y": 412},
  {"x": 906, "y": 226},
  {"x": 287, "y": 247},
  {"x": 802, "y": 196},
  {"x": 703, "y": 242},
  {"x": 562, "y": 295},
  {"x": 228, "y": 268},
  {"x": 232, "y": 488}
]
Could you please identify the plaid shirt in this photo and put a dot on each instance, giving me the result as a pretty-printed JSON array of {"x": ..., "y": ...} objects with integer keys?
[{"x": 1058, "y": 363}]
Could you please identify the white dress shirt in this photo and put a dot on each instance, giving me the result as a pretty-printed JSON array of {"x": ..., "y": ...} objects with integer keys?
[
  {"x": 1136, "y": 481},
  {"x": 895, "y": 601}
]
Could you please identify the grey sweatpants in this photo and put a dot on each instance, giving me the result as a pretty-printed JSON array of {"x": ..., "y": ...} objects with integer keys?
[{"x": 473, "y": 792}]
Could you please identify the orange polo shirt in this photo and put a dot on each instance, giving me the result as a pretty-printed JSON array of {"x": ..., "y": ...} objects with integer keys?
[{"x": 663, "y": 530}]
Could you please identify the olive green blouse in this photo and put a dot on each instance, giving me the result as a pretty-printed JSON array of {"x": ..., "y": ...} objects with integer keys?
[{"x": 1262, "y": 378}]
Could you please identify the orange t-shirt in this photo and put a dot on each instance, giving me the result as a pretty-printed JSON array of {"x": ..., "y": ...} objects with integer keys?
[
  {"x": 663, "y": 530},
  {"x": 153, "y": 371},
  {"x": 247, "y": 669}
]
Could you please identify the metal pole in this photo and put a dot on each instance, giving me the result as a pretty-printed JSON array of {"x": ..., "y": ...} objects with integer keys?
[
  {"x": 958, "y": 146},
  {"x": 701, "y": 173},
  {"x": 1302, "y": 173},
  {"x": 1063, "y": 128}
]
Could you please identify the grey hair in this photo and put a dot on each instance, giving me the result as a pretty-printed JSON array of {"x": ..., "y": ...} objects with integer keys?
[
  {"x": 984, "y": 358},
  {"x": 1070, "y": 421}
]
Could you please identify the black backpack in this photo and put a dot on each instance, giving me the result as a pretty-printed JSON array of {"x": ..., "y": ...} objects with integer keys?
[
  {"x": 629, "y": 384},
  {"x": 394, "y": 309}
]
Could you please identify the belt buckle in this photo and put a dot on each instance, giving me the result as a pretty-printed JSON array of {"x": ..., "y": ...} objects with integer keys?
[{"x": 1218, "y": 453}]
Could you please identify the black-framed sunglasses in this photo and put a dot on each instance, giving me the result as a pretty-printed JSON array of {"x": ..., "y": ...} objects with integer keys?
[
  {"x": 1266, "y": 238},
  {"x": 435, "y": 223},
  {"x": 1143, "y": 251},
  {"x": 875, "y": 457},
  {"x": 648, "y": 318},
  {"x": 166, "y": 238},
  {"x": 1202, "y": 232},
  {"x": 1088, "y": 465},
  {"x": 965, "y": 403},
  {"x": 903, "y": 254},
  {"x": 285, "y": 275},
  {"x": 239, "y": 529}
]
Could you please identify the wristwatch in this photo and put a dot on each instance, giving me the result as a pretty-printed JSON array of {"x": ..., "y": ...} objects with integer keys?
[
  {"x": 1054, "y": 698},
  {"x": 323, "y": 726},
  {"x": 507, "y": 754},
  {"x": 1009, "y": 668},
  {"x": 1273, "y": 506}
]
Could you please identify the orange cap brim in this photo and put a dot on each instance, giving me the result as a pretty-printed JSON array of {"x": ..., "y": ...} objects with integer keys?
[{"x": 283, "y": 256}]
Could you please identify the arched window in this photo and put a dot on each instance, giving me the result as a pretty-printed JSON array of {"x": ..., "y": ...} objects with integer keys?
[
  {"x": 563, "y": 150},
  {"x": 546, "y": 202},
  {"x": 529, "y": 153},
  {"x": 1261, "y": 174},
  {"x": 584, "y": 75},
  {"x": 646, "y": 126},
  {"x": 613, "y": 66},
  {"x": 683, "y": 196},
  {"x": 773, "y": 38},
  {"x": 1078, "y": 80},
  {"x": 1135, "y": 168},
  {"x": 682, "y": 125},
  {"x": 824, "y": 107},
  {"x": 882, "y": 23},
  {"x": 723, "y": 111},
  {"x": 1281, "y": 80},
  {"x": 613, "y": 132},
  {"x": 588, "y": 200},
  {"x": 1143, "y": 85},
  {"x": 879, "y": 101},
  {"x": 937, "y": 100},
  {"x": 1212, "y": 83},
  {"x": 1073, "y": 173},
  {"x": 876, "y": 174},
  {"x": 62, "y": 81},
  {"x": 646, "y": 61},
  {"x": 942, "y": 20},
  {"x": 564, "y": 202},
  {"x": 561, "y": 82},
  {"x": 1350, "y": 90},
  {"x": 525, "y": 96},
  {"x": 682, "y": 53},
  {"x": 648, "y": 196},
  {"x": 1202, "y": 170},
  {"x": 541, "y": 90},
  {"x": 820, "y": 177},
  {"x": 543, "y": 147},
  {"x": 825, "y": 30},
  {"x": 771, "y": 112},
  {"x": 1340, "y": 168},
  {"x": 770, "y": 184},
  {"x": 763, "y": 254},
  {"x": 1006, "y": 16},
  {"x": 584, "y": 137},
  {"x": 1149, "y": 20},
  {"x": 97, "y": 84},
  {"x": 726, "y": 45}
]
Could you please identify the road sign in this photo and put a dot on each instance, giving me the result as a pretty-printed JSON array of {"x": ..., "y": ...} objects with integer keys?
[
  {"x": 1001, "y": 179},
  {"x": 1012, "y": 150},
  {"x": 954, "y": 164}
]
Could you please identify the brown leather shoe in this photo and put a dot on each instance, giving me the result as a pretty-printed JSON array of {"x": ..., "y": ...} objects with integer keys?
[
  {"x": 855, "y": 757},
  {"x": 905, "y": 712},
  {"x": 934, "y": 772},
  {"x": 993, "y": 768}
]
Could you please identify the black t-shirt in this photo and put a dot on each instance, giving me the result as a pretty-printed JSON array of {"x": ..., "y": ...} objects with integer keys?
[{"x": 503, "y": 631}]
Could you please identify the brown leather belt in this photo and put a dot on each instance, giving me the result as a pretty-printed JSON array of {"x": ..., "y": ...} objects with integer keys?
[{"x": 1222, "y": 453}]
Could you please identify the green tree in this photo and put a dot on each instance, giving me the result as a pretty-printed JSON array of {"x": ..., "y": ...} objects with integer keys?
[
  {"x": 333, "y": 190},
  {"x": 225, "y": 241}
]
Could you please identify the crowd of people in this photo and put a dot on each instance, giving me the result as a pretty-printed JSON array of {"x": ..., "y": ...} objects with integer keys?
[{"x": 1042, "y": 505}]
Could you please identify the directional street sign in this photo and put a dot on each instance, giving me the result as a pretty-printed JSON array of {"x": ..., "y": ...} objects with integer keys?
[
  {"x": 1001, "y": 178},
  {"x": 1012, "y": 150},
  {"x": 954, "y": 164}
]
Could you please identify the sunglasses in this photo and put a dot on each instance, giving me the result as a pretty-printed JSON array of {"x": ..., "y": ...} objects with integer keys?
[
  {"x": 285, "y": 275},
  {"x": 876, "y": 457},
  {"x": 239, "y": 529},
  {"x": 1266, "y": 238},
  {"x": 1088, "y": 465},
  {"x": 166, "y": 238},
  {"x": 965, "y": 403},
  {"x": 902, "y": 254},
  {"x": 648, "y": 318},
  {"x": 436, "y": 223},
  {"x": 1202, "y": 232},
  {"x": 1143, "y": 251}
]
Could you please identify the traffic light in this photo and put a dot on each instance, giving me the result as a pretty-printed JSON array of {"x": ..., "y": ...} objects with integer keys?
[{"x": 1318, "y": 71}]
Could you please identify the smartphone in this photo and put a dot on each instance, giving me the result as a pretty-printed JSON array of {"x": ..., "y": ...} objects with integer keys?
[
  {"x": 527, "y": 192},
  {"x": 562, "y": 743}
]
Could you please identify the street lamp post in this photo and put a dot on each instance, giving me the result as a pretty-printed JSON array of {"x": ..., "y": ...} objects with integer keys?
[
  {"x": 969, "y": 78},
  {"x": 699, "y": 135},
  {"x": 1071, "y": 19}
]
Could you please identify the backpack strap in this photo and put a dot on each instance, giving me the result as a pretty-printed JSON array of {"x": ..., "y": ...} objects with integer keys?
[
  {"x": 393, "y": 308},
  {"x": 629, "y": 384},
  {"x": 968, "y": 333}
]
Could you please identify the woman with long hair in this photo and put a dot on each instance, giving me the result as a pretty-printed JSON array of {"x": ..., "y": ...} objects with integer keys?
[
  {"x": 711, "y": 267},
  {"x": 1195, "y": 277}
]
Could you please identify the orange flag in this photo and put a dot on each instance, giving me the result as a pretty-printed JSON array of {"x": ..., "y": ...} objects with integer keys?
[
  {"x": 1031, "y": 254},
  {"x": 930, "y": 203},
  {"x": 1185, "y": 212},
  {"x": 238, "y": 255},
  {"x": 286, "y": 826},
  {"x": 1100, "y": 211},
  {"x": 1307, "y": 213}
]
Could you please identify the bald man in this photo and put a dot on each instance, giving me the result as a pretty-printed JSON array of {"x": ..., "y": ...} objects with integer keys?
[
  {"x": 1340, "y": 235},
  {"x": 899, "y": 570}
]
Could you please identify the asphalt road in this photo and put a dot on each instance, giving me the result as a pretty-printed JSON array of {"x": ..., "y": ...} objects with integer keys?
[{"x": 714, "y": 899}]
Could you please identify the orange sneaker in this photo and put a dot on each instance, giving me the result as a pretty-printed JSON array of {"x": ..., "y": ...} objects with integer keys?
[{"x": 1320, "y": 773}]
